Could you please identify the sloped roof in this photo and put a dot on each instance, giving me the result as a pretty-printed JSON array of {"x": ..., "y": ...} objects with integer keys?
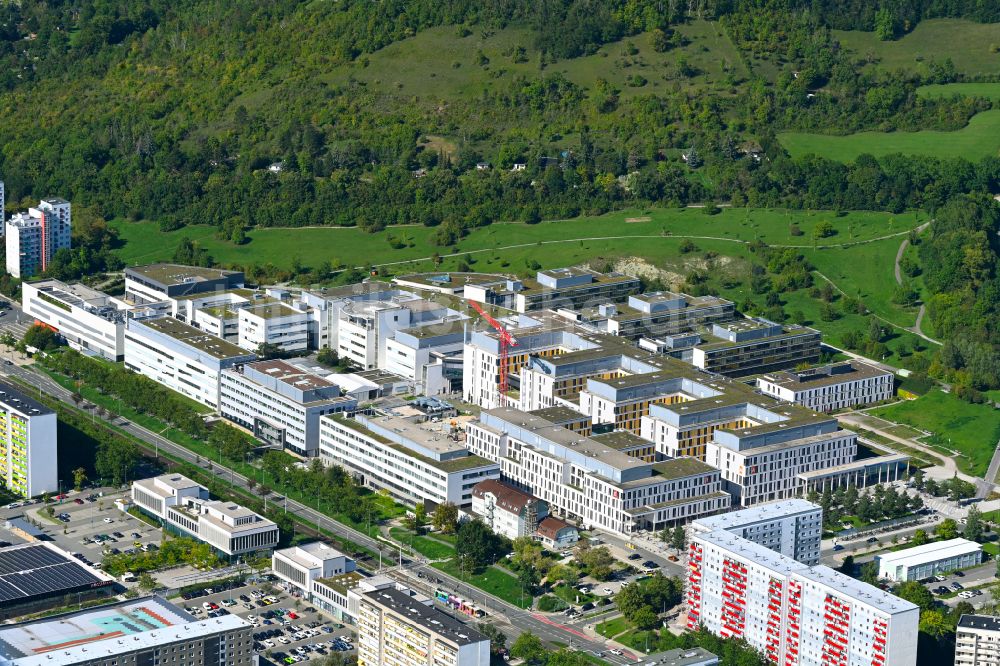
[{"x": 508, "y": 497}]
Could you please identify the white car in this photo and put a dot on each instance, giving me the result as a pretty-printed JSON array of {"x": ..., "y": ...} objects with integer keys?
[
  {"x": 608, "y": 590},
  {"x": 269, "y": 643},
  {"x": 109, "y": 520},
  {"x": 284, "y": 641},
  {"x": 616, "y": 652}
]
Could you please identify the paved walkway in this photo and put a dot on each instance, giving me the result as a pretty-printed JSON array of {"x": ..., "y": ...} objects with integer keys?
[{"x": 944, "y": 461}]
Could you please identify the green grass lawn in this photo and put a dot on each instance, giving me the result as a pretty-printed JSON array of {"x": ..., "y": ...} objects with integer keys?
[
  {"x": 987, "y": 90},
  {"x": 492, "y": 580},
  {"x": 612, "y": 628},
  {"x": 967, "y": 44},
  {"x": 979, "y": 139},
  {"x": 642, "y": 232},
  {"x": 957, "y": 425},
  {"x": 426, "y": 546}
]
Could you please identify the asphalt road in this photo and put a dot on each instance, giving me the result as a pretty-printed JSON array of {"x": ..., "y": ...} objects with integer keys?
[{"x": 519, "y": 619}]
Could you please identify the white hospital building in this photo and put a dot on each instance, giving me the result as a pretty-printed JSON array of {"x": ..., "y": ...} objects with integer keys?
[
  {"x": 831, "y": 387},
  {"x": 181, "y": 357},
  {"x": 611, "y": 481},
  {"x": 415, "y": 460},
  {"x": 280, "y": 403},
  {"x": 87, "y": 319}
]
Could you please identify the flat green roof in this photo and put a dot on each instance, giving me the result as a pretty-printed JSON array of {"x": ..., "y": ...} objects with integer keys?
[
  {"x": 177, "y": 273},
  {"x": 681, "y": 467},
  {"x": 203, "y": 342},
  {"x": 621, "y": 439}
]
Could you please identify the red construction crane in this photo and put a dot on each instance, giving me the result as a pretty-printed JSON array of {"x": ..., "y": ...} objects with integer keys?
[{"x": 506, "y": 342}]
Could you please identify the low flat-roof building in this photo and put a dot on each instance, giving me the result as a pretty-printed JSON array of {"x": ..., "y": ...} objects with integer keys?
[
  {"x": 86, "y": 318},
  {"x": 300, "y": 566},
  {"x": 977, "y": 641},
  {"x": 181, "y": 357},
  {"x": 154, "y": 283},
  {"x": 831, "y": 387},
  {"x": 415, "y": 460},
  {"x": 183, "y": 506},
  {"x": 280, "y": 402},
  {"x": 929, "y": 560},
  {"x": 750, "y": 346},
  {"x": 655, "y": 314},
  {"x": 138, "y": 632},
  {"x": 394, "y": 627},
  {"x": 38, "y": 576}
]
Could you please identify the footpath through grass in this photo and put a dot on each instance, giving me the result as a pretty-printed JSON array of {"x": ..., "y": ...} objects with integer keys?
[
  {"x": 644, "y": 232},
  {"x": 973, "y": 430},
  {"x": 428, "y": 547}
]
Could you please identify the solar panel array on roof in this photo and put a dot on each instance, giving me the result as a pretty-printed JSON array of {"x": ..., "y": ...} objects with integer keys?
[{"x": 36, "y": 571}]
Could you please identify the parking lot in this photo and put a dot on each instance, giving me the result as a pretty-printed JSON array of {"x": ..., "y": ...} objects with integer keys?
[
  {"x": 284, "y": 638},
  {"x": 85, "y": 523},
  {"x": 90, "y": 525}
]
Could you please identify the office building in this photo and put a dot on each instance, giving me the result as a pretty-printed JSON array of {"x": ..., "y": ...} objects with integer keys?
[
  {"x": 798, "y": 615},
  {"x": 751, "y": 346},
  {"x": 33, "y": 238},
  {"x": 791, "y": 527},
  {"x": 930, "y": 559},
  {"x": 831, "y": 387},
  {"x": 398, "y": 629},
  {"x": 183, "y": 506},
  {"x": 611, "y": 481},
  {"x": 155, "y": 283},
  {"x": 977, "y": 641},
  {"x": 38, "y": 577},
  {"x": 280, "y": 403},
  {"x": 138, "y": 632},
  {"x": 656, "y": 314},
  {"x": 86, "y": 318},
  {"x": 415, "y": 460},
  {"x": 28, "y": 447},
  {"x": 180, "y": 357}
]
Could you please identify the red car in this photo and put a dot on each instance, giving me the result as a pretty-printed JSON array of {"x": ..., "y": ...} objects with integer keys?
[
  {"x": 293, "y": 616},
  {"x": 78, "y": 500},
  {"x": 214, "y": 606}
]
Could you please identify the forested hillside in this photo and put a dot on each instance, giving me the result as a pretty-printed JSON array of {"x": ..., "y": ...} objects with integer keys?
[{"x": 284, "y": 113}]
